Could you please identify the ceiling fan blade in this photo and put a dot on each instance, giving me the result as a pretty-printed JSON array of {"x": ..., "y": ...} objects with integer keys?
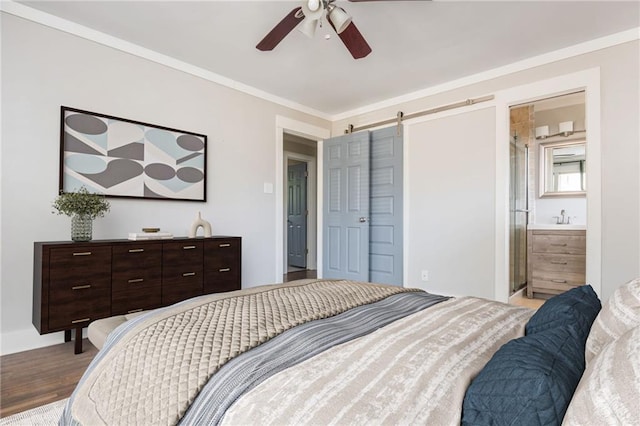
[
  {"x": 354, "y": 41},
  {"x": 281, "y": 30}
]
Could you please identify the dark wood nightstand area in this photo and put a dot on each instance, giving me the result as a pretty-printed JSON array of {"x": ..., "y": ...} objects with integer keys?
[{"x": 76, "y": 283}]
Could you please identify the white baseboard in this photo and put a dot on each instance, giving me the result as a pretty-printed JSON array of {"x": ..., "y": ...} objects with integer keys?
[{"x": 518, "y": 294}]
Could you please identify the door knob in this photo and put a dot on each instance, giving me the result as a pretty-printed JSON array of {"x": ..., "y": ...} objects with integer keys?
[{"x": 363, "y": 219}]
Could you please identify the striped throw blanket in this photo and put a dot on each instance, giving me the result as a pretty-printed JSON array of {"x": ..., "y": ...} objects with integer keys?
[{"x": 413, "y": 371}]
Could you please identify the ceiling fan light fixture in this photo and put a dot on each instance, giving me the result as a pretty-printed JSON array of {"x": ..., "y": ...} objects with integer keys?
[
  {"x": 308, "y": 27},
  {"x": 339, "y": 18},
  {"x": 313, "y": 5},
  {"x": 311, "y": 13}
]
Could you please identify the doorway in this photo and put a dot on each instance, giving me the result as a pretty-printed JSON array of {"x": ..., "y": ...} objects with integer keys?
[
  {"x": 541, "y": 211},
  {"x": 297, "y": 213},
  {"x": 300, "y": 207}
]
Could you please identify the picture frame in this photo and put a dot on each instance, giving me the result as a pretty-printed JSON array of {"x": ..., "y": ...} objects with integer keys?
[{"x": 119, "y": 157}]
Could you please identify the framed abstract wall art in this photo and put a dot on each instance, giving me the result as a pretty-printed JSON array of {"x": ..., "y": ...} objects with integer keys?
[{"x": 125, "y": 158}]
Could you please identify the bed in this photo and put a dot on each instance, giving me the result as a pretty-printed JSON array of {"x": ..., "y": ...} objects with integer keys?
[{"x": 344, "y": 352}]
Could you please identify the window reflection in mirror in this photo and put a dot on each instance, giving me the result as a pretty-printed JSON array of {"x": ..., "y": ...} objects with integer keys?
[{"x": 563, "y": 167}]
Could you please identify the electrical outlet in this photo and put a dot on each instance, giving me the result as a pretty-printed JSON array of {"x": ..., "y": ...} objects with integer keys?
[{"x": 425, "y": 275}]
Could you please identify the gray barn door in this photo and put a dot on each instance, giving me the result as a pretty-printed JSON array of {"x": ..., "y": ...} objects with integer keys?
[
  {"x": 297, "y": 215},
  {"x": 346, "y": 207},
  {"x": 386, "y": 233}
]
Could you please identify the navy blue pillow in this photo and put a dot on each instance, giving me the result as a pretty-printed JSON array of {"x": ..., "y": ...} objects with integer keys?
[
  {"x": 528, "y": 381},
  {"x": 578, "y": 306}
]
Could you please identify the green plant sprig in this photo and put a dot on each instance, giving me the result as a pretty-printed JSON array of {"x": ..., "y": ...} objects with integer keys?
[{"x": 81, "y": 202}]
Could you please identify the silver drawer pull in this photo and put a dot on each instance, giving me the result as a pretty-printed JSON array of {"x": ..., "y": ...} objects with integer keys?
[
  {"x": 224, "y": 270},
  {"x": 558, "y": 263},
  {"x": 136, "y": 250},
  {"x": 133, "y": 311},
  {"x": 82, "y": 253},
  {"x": 81, "y": 287},
  {"x": 136, "y": 280},
  {"x": 225, "y": 245},
  {"x": 80, "y": 320},
  {"x": 559, "y": 245},
  {"x": 188, "y": 274},
  {"x": 559, "y": 281},
  {"x": 188, "y": 247}
]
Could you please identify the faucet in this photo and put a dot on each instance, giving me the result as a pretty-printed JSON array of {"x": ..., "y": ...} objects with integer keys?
[{"x": 560, "y": 220}]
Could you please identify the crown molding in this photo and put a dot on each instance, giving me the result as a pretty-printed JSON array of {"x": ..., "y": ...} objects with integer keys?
[
  {"x": 13, "y": 8},
  {"x": 535, "y": 61}
]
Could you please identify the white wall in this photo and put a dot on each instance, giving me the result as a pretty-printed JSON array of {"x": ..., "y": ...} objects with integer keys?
[
  {"x": 451, "y": 227},
  {"x": 43, "y": 69},
  {"x": 620, "y": 165}
]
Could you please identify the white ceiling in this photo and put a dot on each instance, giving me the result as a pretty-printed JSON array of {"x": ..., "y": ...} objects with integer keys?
[{"x": 416, "y": 44}]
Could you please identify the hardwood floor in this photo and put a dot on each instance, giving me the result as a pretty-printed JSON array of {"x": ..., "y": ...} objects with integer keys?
[
  {"x": 299, "y": 275},
  {"x": 33, "y": 378},
  {"x": 521, "y": 300}
]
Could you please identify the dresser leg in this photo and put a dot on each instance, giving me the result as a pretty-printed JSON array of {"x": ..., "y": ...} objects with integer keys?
[
  {"x": 67, "y": 336},
  {"x": 78, "y": 344}
]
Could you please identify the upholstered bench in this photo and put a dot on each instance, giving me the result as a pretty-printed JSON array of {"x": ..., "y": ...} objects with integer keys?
[{"x": 100, "y": 329}]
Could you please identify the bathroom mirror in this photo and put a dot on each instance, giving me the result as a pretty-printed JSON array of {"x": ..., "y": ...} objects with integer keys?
[{"x": 563, "y": 169}]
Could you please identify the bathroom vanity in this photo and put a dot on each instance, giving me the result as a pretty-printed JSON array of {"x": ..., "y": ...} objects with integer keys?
[{"x": 555, "y": 259}]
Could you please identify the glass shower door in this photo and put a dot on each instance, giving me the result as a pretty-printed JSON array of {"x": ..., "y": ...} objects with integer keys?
[{"x": 518, "y": 207}]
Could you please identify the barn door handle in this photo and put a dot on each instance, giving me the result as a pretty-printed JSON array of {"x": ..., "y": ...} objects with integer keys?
[{"x": 363, "y": 219}]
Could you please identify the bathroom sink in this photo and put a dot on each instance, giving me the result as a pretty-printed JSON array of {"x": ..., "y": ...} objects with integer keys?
[{"x": 553, "y": 226}]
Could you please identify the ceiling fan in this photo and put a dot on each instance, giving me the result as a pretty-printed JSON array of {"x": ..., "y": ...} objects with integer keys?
[{"x": 309, "y": 16}]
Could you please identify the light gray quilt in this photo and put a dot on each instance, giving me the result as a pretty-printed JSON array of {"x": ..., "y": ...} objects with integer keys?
[{"x": 151, "y": 369}]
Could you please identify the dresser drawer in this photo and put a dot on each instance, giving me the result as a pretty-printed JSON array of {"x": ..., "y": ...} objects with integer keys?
[
  {"x": 72, "y": 309},
  {"x": 136, "y": 299},
  {"x": 224, "y": 249},
  {"x": 545, "y": 263},
  {"x": 137, "y": 267},
  {"x": 181, "y": 256},
  {"x": 559, "y": 244},
  {"x": 221, "y": 281},
  {"x": 72, "y": 267},
  {"x": 552, "y": 287}
]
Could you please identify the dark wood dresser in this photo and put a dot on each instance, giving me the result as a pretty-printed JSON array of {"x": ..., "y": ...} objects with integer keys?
[{"x": 76, "y": 283}]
